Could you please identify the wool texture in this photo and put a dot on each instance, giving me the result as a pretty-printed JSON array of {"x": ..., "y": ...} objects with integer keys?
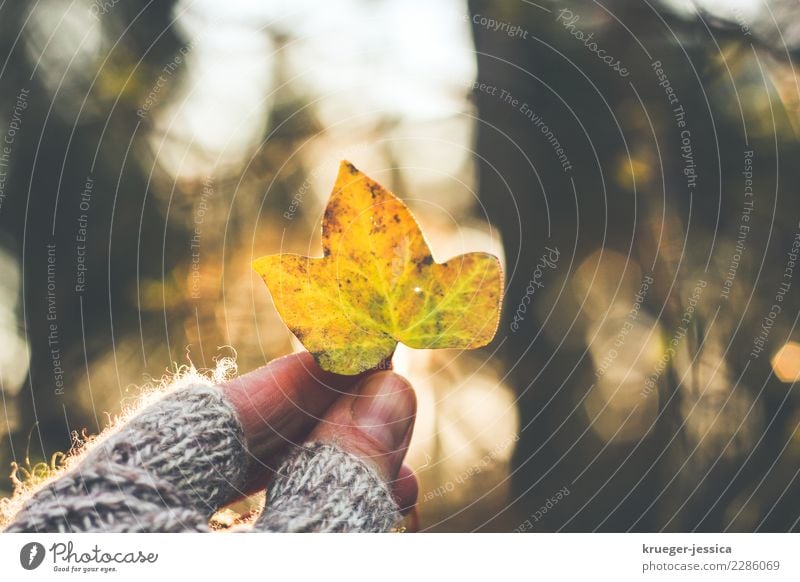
[
  {"x": 172, "y": 465},
  {"x": 321, "y": 488}
]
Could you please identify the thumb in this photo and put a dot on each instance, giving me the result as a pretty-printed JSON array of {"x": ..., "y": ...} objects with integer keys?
[
  {"x": 342, "y": 478},
  {"x": 374, "y": 423}
]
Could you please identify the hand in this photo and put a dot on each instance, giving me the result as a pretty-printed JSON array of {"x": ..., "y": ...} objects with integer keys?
[
  {"x": 292, "y": 401},
  {"x": 330, "y": 449}
]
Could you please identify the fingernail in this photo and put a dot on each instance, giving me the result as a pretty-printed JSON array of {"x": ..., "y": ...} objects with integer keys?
[{"x": 384, "y": 409}]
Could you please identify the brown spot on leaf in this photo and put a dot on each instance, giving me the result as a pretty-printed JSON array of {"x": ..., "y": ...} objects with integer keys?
[{"x": 423, "y": 262}]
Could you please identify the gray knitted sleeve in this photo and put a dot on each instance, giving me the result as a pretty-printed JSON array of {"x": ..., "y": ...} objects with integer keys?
[
  {"x": 172, "y": 465},
  {"x": 324, "y": 489},
  {"x": 167, "y": 469}
]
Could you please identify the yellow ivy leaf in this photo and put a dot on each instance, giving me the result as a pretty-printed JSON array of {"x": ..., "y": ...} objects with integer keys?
[{"x": 377, "y": 284}]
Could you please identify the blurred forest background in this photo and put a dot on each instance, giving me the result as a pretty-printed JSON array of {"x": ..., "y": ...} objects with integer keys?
[{"x": 633, "y": 162}]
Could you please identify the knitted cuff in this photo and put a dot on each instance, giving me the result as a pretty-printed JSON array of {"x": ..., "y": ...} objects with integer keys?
[
  {"x": 321, "y": 488},
  {"x": 167, "y": 469},
  {"x": 109, "y": 499}
]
